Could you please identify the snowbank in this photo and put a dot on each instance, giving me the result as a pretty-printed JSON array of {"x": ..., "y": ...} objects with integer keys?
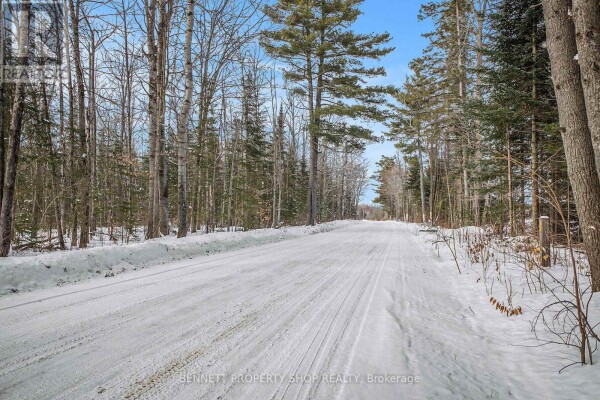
[{"x": 58, "y": 268}]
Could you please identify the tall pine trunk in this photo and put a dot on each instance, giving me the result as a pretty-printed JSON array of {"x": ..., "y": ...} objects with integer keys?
[{"x": 314, "y": 147}]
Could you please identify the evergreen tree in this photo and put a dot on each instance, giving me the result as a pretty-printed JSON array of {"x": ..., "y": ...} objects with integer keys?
[
  {"x": 326, "y": 59},
  {"x": 520, "y": 90},
  {"x": 257, "y": 163},
  {"x": 414, "y": 126},
  {"x": 447, "y": 58}
]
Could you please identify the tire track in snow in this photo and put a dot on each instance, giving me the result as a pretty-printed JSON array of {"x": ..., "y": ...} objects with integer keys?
[
  {"x": 99, "y": 326},
  {"x": 364, "y": 316},
  {"x": 334, "y": 317},
  {"x": 244, "y": 313},
  {"x": 353, "y": 309},
  {"x": 144, "y": 387},
  {"x": 302, "y": 331}
]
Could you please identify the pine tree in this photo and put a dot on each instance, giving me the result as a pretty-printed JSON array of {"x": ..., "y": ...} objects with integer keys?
[
  {"x": 414, "y": 125},
  {"x": 519, "y": 87},
  {"x": 447, "y": 58},
  {"x": 326, "y": 58},
  {"x": 257, "y": 156}
]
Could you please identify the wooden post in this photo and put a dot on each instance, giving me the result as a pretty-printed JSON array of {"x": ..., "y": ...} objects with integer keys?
[{"x": 544, "y": 239}]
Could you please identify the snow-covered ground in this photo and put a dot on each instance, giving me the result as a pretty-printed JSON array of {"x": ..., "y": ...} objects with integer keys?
[
  {"x": 57, "y": 268},
  {"x": 366, "y": 311}
]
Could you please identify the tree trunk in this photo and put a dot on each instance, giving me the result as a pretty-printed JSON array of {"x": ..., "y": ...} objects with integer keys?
[
  {"x": 14, "y": 136},
  {"x": 72, "y": 139},
  {"x": 312, "y": 179},
  {"x": 152, "y": 231},
  {"x": 314, "y": 148},
  {"x": 481, "y": 17},
  {"x": 463, "y": 134},
  {"x": 511, "y": 195},
  {"x": 236, "y": 135},
  {"x": 535, "y": 191},
  {"x": 574, "y": 128},
  {"x": 38, "y": 195},
  {"x": 182, "y": 126},
  {"x": 84, "y": 162},
  {"x": 162, "y": 201},
  {"x": 57, "y": 192},
  {"x": 421, "y": 180},
  {"x": 587, "y": 34},
  {"x": 92, "y": 125},
  {"x": 2, "y": 148},
  {"x": 343, "y": 183}
]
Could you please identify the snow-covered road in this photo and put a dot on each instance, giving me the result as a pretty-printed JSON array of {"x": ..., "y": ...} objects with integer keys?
[{"x": 327, "y": 316}]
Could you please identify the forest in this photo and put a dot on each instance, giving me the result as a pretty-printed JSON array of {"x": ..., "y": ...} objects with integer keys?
[
  {"x": 167, "y": 117},
  {"x": 498, "y": 124},
  {"x": 299, "y": 199}
]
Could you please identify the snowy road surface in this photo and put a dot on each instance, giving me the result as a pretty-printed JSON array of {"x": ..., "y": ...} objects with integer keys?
[{"x": 356, "y": 313}]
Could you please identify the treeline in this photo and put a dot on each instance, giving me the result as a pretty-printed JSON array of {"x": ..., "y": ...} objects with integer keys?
[
  {"x": 183, "y": 116},
  {"x": 498, "y": 122}
]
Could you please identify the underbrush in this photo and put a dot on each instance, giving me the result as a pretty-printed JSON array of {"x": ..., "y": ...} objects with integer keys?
[{"x": 556, "y": 299}]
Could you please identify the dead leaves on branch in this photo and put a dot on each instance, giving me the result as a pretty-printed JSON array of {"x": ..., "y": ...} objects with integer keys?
[{"x": 508, "y": 310}]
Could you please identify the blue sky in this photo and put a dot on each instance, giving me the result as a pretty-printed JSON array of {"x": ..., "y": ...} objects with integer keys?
[{"x": 399, "y": 18}]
